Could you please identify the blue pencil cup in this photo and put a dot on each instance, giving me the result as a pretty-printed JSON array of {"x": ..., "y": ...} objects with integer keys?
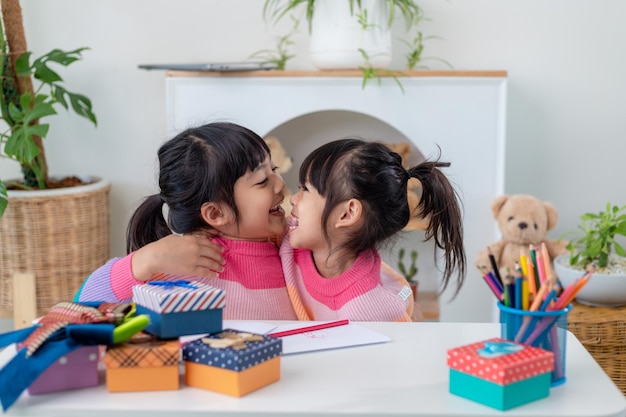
[{"x": 543, "y": 329}]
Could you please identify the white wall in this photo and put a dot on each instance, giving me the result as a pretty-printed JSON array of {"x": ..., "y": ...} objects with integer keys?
[{"x": 565, "y": 58}]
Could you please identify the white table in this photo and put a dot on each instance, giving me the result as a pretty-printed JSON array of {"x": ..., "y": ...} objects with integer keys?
[{"x": 407, "y": 376}]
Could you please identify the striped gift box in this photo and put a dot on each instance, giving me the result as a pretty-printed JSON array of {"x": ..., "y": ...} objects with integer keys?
[
  {"x": 178, "y": 296},
  {"x": 179, "y": 308}
]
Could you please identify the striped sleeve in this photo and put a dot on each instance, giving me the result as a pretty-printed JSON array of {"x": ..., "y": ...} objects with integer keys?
[{"x": 97, "y": 286}]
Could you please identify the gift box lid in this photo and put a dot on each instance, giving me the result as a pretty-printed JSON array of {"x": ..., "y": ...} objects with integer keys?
[
  {"x": 178, "y": 296},
  {"x": 232, "y": 349},
  {"x": 143, "y": 351},
  {"x": 500, "y": 361}
]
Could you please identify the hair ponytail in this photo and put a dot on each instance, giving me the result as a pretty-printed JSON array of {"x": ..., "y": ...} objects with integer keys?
[
  {"x": 147, "y": 224},
  {"x": 439, "y": 204}
]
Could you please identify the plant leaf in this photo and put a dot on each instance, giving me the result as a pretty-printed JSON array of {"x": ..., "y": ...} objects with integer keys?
[
  {"x": 4, "y": 198},
  {"x": 22, "y": 67}
]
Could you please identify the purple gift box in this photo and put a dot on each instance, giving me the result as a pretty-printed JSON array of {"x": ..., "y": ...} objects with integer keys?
[{"x": 77, "y": 369}]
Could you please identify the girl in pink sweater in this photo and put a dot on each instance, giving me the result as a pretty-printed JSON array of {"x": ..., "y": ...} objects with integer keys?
[
  {"x": 221, "y": 193},
  {"x": 352, "y": 199}
]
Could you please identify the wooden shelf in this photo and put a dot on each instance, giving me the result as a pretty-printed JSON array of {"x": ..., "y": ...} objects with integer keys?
[
  {"x": 336, "y": 73},
  {"x": 429, "y": 303}
]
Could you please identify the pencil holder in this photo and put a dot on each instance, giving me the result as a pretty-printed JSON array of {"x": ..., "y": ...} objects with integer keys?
[{"x": 543, "y": 329}]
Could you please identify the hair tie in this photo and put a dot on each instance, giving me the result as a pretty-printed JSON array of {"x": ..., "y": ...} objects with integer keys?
[{"x": 165, "y": 211}]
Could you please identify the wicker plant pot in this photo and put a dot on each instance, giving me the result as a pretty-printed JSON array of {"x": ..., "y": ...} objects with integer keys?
[
  {"x": 602, "y": 331},
  {"x": 59, "y": 235}
]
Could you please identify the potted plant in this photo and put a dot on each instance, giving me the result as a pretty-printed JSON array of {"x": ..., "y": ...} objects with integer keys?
[
  {"x": 55, "y": 229},
  {"x": 594, "y": 246},
  {"x": 409, "y": 271},
  {"x": 355, "y": 34}
]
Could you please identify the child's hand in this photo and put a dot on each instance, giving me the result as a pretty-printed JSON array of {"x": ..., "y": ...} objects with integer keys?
[{"x": 179, "y": 255}]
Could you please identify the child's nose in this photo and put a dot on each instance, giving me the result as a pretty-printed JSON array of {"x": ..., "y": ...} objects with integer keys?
[
  {"x": 279, "y": 184},
  {"x": 294, "y": 197}
]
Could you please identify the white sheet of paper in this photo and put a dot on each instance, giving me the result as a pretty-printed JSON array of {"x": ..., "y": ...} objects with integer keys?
[{"x": 345, "y": 336}]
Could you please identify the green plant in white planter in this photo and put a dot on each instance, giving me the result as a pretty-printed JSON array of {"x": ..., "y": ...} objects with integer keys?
[
  {"x": 341, "y": 30},
  {"x": 22, "y": 111},
  {"x": 594, "y": 245},
  {"x": 597, "y": 241},
  {"x": 53, "y": 231}
]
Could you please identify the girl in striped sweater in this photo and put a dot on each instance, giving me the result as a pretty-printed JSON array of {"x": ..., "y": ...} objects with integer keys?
[
  {"x": 352, "y": 199},
  {"x": 222, "y": 194}
]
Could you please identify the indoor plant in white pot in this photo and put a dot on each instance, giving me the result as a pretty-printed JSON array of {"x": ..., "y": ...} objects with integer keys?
[
  {"x": 55, "y": 229},
  {"x": 595, "y": 245},
  {"x": 349, "y": 34}
]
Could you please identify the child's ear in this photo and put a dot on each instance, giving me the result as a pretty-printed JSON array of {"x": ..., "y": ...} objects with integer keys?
[
  {"x": 214, "y": 215},
  {"x": 350, "y": 214}
]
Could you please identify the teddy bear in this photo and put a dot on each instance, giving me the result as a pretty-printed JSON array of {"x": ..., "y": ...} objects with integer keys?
[
  {"x": 284, "y": 162},
  {"x": 523, "y": 220},
  {"x": 416, "y": 222}
]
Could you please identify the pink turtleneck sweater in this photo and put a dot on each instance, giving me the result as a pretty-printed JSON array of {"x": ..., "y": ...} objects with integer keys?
[
  {"x": 252, "y": 279},
  {"x": 365, "y": 292}
]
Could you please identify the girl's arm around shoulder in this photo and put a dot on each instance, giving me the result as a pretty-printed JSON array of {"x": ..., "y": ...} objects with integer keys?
[
  {"x": 97, "y": 286},
  {"x": 193, "y": 254},
  {"x": 112, "y": 282}
]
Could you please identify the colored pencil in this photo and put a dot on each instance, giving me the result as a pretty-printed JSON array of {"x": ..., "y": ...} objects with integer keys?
[
  {"x": 509, "y": 284},
  {"x": 533, "y": 259},
  {"x": 494, "y": 267},
  {"x": 541, "y": 267},
  {"x": 532, "y": 282},
  {"x": 491, "y": 283},
  {"x": 525, "y": 294},
  {"x": 570, "y": 292},
  {"x": 545, "y": 255},
  {"x": 312, "y": 328}
]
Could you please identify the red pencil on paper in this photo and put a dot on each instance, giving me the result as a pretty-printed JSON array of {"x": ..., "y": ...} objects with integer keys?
[{"x": 310, "y": 328}]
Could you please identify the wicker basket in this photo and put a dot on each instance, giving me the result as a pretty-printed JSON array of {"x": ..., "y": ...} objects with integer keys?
[
  {"x": 58, "y": 235},
  {"x": 602, "y": 330}
]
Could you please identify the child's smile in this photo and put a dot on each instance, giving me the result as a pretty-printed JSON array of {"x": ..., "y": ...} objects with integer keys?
[{"x": 259, "y": 191}]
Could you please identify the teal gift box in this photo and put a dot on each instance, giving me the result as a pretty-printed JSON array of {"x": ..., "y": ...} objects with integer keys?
[
  {"x": 500, "y": 373},
  {"x": 179, "y": 308}
]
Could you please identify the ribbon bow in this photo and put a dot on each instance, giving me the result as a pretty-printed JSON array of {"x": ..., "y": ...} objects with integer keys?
[
  {"x": 495, "y": 349},
  {"x": 236, "y": 341},
  {"x": 169, "y": 284},
  {"x": 66, "y": 327}
]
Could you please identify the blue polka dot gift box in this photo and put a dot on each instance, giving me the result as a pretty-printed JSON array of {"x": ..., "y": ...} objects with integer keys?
[
  {"x": 232, "y": 362},
  {"x": 500, "y": 373},
  {"x": 180, "y": 308}
]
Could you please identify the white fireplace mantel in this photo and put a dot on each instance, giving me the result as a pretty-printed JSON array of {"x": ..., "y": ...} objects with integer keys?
[{"x": 462, "y": 113}]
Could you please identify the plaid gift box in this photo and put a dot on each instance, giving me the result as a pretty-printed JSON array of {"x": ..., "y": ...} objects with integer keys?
[
  {"x": 232, "y": 362},
  {"x": 145, "y": 363},
  {"x": 500, "y": 373},
  {"x": 77, "y": 369},
  {"x": 179, "y": 308}
]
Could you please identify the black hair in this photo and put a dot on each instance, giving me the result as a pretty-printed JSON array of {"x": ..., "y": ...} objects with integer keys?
[
  {"x": 373, "y": 174},
  {"x": 199, "y": 165}
]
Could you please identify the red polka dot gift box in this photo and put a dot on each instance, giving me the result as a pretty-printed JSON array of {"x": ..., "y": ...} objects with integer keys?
[{"x": 500, "y": 373}]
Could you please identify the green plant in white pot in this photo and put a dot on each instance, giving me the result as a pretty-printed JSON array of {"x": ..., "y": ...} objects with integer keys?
[
  {"x": 595, "y": 244},
  {"x": 22, "y": 112},
  {"x": 53, "y": 231},
  {"x": 349, "y": 34}
]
